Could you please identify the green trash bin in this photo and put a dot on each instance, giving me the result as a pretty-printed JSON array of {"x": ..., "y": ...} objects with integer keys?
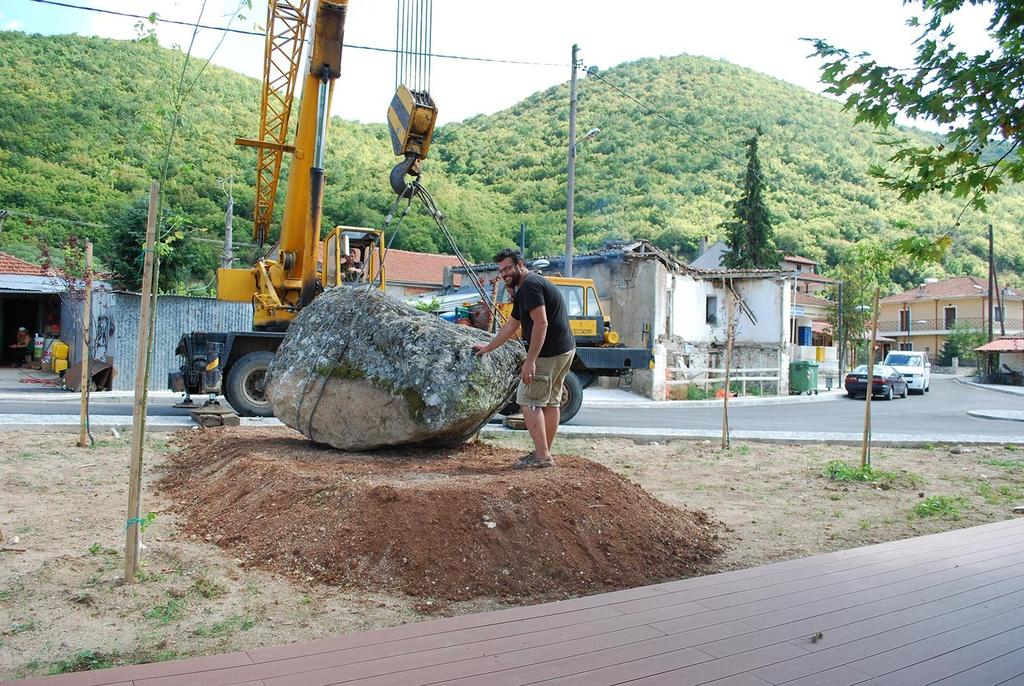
[{"x": 803, "y": 377}]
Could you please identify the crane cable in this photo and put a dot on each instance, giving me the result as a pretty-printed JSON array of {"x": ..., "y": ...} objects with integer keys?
[
  {"x": 413, "y": 36},
  {"x": 431, "y": 207}
]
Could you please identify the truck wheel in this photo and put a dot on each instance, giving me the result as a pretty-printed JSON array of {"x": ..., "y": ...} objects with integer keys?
[
  {"x": 572, "y": 397},
  {"x": 509, "y": 408},
  {"x": 244, "y": 388}
]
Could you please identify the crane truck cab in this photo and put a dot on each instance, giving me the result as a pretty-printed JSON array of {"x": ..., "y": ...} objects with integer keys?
[
  {"x": 234, "y": 363},
  {"x": 599, "y": 352}
]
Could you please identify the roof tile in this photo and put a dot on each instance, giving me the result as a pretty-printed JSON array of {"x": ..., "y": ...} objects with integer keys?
[
  {"x": 418, "y": 268},
  {"x": 959, "y": 286},
  {"x": 807, "y": 299},
  {"x": 9, "y": 264}
]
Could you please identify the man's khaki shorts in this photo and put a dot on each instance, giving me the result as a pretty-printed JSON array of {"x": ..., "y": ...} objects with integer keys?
[{"x": 546, "y": 388}]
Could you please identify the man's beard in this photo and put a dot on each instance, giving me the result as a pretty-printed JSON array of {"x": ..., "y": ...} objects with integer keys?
[{"x": 515, "y": 280}]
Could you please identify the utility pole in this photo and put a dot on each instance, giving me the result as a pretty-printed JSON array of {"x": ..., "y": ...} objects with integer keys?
[
  {"x": 227, "y": 257},
  {"x": 522, "y": 239},
  {"x": 842, "y": 340},
  {"x": 570, "y": 190},
  {"x": 999, "y": 302}
]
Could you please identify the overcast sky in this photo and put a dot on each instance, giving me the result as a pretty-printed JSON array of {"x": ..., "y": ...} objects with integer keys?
[{"x": 760, "y": 34}]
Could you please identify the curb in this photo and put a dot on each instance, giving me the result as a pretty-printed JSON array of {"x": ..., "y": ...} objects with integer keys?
[
  {"x": 786, "y": 437},
  {"x": 58, "y": 396},
  {"x": 127, "y": 397},
  {"x": 822, "y": 396},
  {"x": 1005, "y": 415},
  {"x": 69, "y": 424},
  {"x": 989, "y": 387}
]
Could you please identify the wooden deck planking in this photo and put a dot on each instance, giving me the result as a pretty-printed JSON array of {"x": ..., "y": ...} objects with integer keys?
[{"x": 947, "y": 608}]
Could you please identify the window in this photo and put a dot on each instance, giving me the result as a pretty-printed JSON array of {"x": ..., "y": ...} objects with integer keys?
[
  {"x": 593, "y": 305},
  {"x": 904, "y": 320},
  {"x": 950, "y": 314},
  {"x": 906, "y": 346},
  {"x": 573, "y": 296},
  {"x": 997, "y": 314},
  {"x": 711, "y": 309},
  {"x": 331, "y": 261}
]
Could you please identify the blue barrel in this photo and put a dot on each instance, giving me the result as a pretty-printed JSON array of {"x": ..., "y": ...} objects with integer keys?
[{"x": 804, "y": 335}]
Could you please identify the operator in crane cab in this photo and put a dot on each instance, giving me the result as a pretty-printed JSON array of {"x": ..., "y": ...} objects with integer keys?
[
  {"x": 351, "y": 265},
  {"x": 539, "y": 308}
]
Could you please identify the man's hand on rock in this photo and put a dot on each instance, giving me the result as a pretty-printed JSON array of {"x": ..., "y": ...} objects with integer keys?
[{"x": 481, "y": 349}]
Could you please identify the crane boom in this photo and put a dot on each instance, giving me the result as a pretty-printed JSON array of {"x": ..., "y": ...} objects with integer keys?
[
  {"x": 280, "y": 286},
  {"x": 286, "y": 33}
]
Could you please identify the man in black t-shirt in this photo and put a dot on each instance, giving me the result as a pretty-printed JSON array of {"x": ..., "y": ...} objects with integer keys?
[{"x": 539, "y": 308}]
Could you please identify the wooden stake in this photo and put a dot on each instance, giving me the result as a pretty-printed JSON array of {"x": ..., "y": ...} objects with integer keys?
[
  {"x": 728, "y": 365},
  {"x": 131, "y": 558},
  {"x": 83, "y": 418},
  {"x": 865, "y": 448}
]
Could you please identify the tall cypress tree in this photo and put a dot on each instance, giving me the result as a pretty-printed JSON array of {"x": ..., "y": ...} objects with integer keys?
[{"x": 750, "y": 234}]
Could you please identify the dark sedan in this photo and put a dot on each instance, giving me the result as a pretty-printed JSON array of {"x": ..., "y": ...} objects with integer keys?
[{"x": 887, "y": 382}]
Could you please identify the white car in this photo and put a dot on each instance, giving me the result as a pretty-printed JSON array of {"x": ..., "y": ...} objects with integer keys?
[{"x": 914, "y": 367}]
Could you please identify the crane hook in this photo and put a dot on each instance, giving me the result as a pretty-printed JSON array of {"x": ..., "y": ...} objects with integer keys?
[{"x": 410, "y": 166}]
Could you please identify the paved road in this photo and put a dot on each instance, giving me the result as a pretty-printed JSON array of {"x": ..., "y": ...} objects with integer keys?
[
  {"x": 941, "y": 411},
  {"x": 72, "y": 404}
]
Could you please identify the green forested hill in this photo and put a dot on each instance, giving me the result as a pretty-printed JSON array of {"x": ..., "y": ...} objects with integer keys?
[{"x": 84, "y": 120}]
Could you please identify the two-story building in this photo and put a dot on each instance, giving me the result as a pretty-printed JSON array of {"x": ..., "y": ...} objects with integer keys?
[
  {"x": 922, "y": 317},
  {"x": 806, "y": 278}
]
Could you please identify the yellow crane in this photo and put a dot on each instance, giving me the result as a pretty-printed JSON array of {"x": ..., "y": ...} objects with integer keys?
[{"x": 302, "y": 265}]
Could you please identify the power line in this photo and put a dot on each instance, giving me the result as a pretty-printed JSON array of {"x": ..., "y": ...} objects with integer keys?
[
  {"x": 29, "y": 215},
  {"x": 262, "y": 34}
]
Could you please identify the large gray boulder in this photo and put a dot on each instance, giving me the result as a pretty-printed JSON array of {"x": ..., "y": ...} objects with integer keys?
[{"x": 360, "y": 370}]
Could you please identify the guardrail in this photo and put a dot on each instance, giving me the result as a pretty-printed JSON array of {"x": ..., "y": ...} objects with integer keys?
[{"x": 709, "y": 377}]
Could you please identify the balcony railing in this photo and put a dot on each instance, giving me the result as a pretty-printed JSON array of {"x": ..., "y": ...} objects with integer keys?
[{"x": 921, "y": 326}]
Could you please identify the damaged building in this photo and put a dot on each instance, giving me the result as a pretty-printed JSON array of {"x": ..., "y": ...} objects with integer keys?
[{"x": 643, "y": 289}]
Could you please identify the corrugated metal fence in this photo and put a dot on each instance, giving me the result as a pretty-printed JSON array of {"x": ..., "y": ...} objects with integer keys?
[{"x": 115, "y": 322}]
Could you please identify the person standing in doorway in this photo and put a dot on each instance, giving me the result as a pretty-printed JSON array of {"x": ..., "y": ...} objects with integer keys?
[{"x": 540, "y": 310}]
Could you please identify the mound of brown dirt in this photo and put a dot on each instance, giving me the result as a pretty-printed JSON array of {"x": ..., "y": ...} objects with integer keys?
[{"x": 452, "y": 523}]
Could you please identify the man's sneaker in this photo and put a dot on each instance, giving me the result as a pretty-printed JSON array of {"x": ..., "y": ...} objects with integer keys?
[
  {"x": 526, "y": 460},
  {"x": 532, "y": 461}
]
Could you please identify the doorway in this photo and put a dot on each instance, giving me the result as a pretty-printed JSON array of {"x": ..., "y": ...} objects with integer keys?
[{"x": 16, "y": 311}]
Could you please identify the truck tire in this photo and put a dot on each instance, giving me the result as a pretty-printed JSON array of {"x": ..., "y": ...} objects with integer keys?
[
  {"x": 572, "y": 397},
  {"x": 244, "y": 387}
]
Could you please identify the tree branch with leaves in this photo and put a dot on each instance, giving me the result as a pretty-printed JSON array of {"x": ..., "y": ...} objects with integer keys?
[{"x": 978, "y": 100}]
